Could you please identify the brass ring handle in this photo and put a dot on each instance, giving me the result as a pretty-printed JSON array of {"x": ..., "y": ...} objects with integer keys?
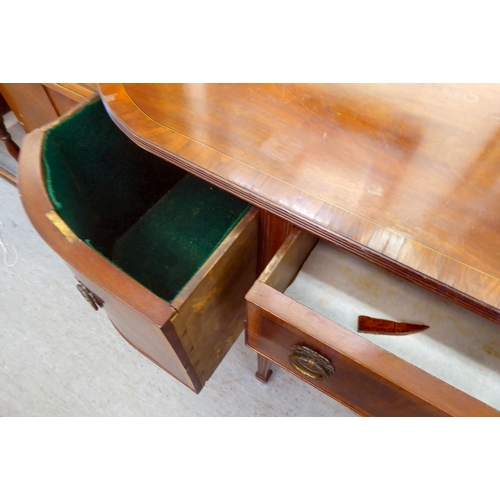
[
  {"x": 90, "y": 297},
  {"x": 310, "y": 363}
]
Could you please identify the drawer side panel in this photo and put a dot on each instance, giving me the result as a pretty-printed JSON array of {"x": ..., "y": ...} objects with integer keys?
[{"x": 212, "y": 307}]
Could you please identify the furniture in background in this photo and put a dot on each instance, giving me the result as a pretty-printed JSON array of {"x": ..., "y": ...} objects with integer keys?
[
  {"x": 5, "y": 137},
  {"x": 400, "y": 176},
  {"x": 36, "y": 104}
]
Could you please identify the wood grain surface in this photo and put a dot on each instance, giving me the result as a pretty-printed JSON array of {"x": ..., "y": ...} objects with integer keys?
[
  {"x": 36, "y": 104},
  {"x": 211, "y": 307},
  {"x": 187, "y": 338},
  {"x": 403, "y": 175},
  {"x": 75, "y": 91},
  {"x": 368, "y": 379},
  {"x": 30, "y": 103},
  {"x": 273, "y": 231}
]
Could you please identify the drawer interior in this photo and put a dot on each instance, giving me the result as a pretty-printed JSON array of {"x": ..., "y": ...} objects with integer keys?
[
  {"x": 459, "y": 347},
  {"x": 151, "y": 219}
]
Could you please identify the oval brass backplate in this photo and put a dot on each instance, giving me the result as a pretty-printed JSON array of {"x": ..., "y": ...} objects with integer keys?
[{"x": 310, "y": 363}]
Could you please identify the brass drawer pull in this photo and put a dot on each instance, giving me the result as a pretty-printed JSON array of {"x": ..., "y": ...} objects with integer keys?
[
  {"x": 89, "y": 296},
  {"x": 310, "y": 363}
]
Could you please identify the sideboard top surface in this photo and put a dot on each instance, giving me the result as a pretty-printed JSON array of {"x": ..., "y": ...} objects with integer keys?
[{"x": 406, "y": 175}]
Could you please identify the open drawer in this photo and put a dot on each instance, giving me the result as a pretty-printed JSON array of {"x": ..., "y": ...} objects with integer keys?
[
  {"x": 167, "y": 256},
  {"x": 303, "y": 313}
]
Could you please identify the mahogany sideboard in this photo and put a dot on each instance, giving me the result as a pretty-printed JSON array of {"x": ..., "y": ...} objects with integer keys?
[{"x": 401, "y": 176}]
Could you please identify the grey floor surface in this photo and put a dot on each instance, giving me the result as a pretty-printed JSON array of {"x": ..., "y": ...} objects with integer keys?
[{"x": 60, "y": 358}]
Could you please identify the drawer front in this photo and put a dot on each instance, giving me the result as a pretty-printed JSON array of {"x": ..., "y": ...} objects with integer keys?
[
  {"x": 156, "y": 342},
  {"x": 208, "y": 315},
  {"x": 366, "y": 377},
  {"x": 351, "y": 383}
]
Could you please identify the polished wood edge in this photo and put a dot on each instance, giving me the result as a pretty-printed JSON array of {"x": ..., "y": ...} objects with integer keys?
[
  {"x": 78, "y": 254},
  {"x": 73, "y": 91},
  {"x": 291, "y": 314},
  {"x": 287, "y": 262},
  {"x": 478, "y": 292},
  {"x": 196, "y": 386},
  {"x": 172, "y": 336},
  {"x": 273, "y": 231},
  {"x": 200, "y": 275},
  {"x": 4, "y": 174}
]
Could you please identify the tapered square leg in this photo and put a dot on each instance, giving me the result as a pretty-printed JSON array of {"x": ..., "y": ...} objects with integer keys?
[{"x": 264, "y": 371}]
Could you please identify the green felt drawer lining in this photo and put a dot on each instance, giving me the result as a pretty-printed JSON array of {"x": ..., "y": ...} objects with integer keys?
[{"x": 151, "y": 219}]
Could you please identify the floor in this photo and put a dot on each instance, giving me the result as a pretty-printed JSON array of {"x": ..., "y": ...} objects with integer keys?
[{"x": 60, "y": 358}]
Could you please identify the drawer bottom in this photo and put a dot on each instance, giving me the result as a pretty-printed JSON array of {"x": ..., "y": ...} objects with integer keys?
[{"x": 459, "y": 347}]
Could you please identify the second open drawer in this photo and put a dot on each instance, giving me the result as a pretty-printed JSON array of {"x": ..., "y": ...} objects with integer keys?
[{"x": 303, "y": 312}]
